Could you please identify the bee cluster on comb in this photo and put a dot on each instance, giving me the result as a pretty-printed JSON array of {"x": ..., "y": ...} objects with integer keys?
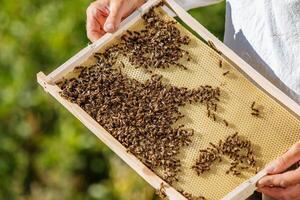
[{"x": 235, "y": 148}]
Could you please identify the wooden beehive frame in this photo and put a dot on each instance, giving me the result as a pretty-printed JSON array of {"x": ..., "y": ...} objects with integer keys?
[{"x": 48, "y": 83}]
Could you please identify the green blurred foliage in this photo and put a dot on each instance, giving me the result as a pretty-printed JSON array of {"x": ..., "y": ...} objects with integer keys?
[{"x": 45, "y": 153}]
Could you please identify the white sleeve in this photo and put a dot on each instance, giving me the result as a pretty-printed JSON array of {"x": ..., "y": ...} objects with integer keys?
[{"x": 189, "y": 4}]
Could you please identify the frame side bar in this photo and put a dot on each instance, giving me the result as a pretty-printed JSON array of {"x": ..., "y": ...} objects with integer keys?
[
  {"x": 70, "y": 64},
  {"x": 246, "y": 189}
]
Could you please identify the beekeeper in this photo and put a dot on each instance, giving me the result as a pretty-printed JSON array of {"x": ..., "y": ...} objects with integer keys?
[{"x": 266, "y": 34}]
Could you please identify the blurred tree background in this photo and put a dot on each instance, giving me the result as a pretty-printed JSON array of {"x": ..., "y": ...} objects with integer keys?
[{"x": 45, "y": 153}]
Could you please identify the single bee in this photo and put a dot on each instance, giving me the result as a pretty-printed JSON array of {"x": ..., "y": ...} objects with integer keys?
[
  {"x": 225, "y": 73},
  {"x": 225, "y": 122}
]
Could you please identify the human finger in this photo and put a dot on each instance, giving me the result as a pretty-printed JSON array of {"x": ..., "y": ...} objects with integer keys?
[
  {"x": 96, "y": 15},
  {"x": 115, "y": 15},
  {"x": 290, "y": 193},
  {"x": 283, "y": 180},
  {"x": 285, "y": 161},
  {"x": 273, "y": 192}
]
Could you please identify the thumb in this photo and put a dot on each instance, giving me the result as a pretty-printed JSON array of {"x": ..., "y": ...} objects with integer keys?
[
  {"x": 285, "y": 161},
  {"x": 115, "y": 16}
]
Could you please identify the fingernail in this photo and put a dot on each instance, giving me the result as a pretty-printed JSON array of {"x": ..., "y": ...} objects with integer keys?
[
  {"x": 270, "y": 168},
  {"x": 109, "y": 27},
  {"x": 259, "y": 184}
]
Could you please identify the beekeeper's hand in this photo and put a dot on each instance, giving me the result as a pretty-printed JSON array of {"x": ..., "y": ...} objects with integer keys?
[
  {"x": 105, "y": 16},
  {"x": 282, "y": 184}
]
